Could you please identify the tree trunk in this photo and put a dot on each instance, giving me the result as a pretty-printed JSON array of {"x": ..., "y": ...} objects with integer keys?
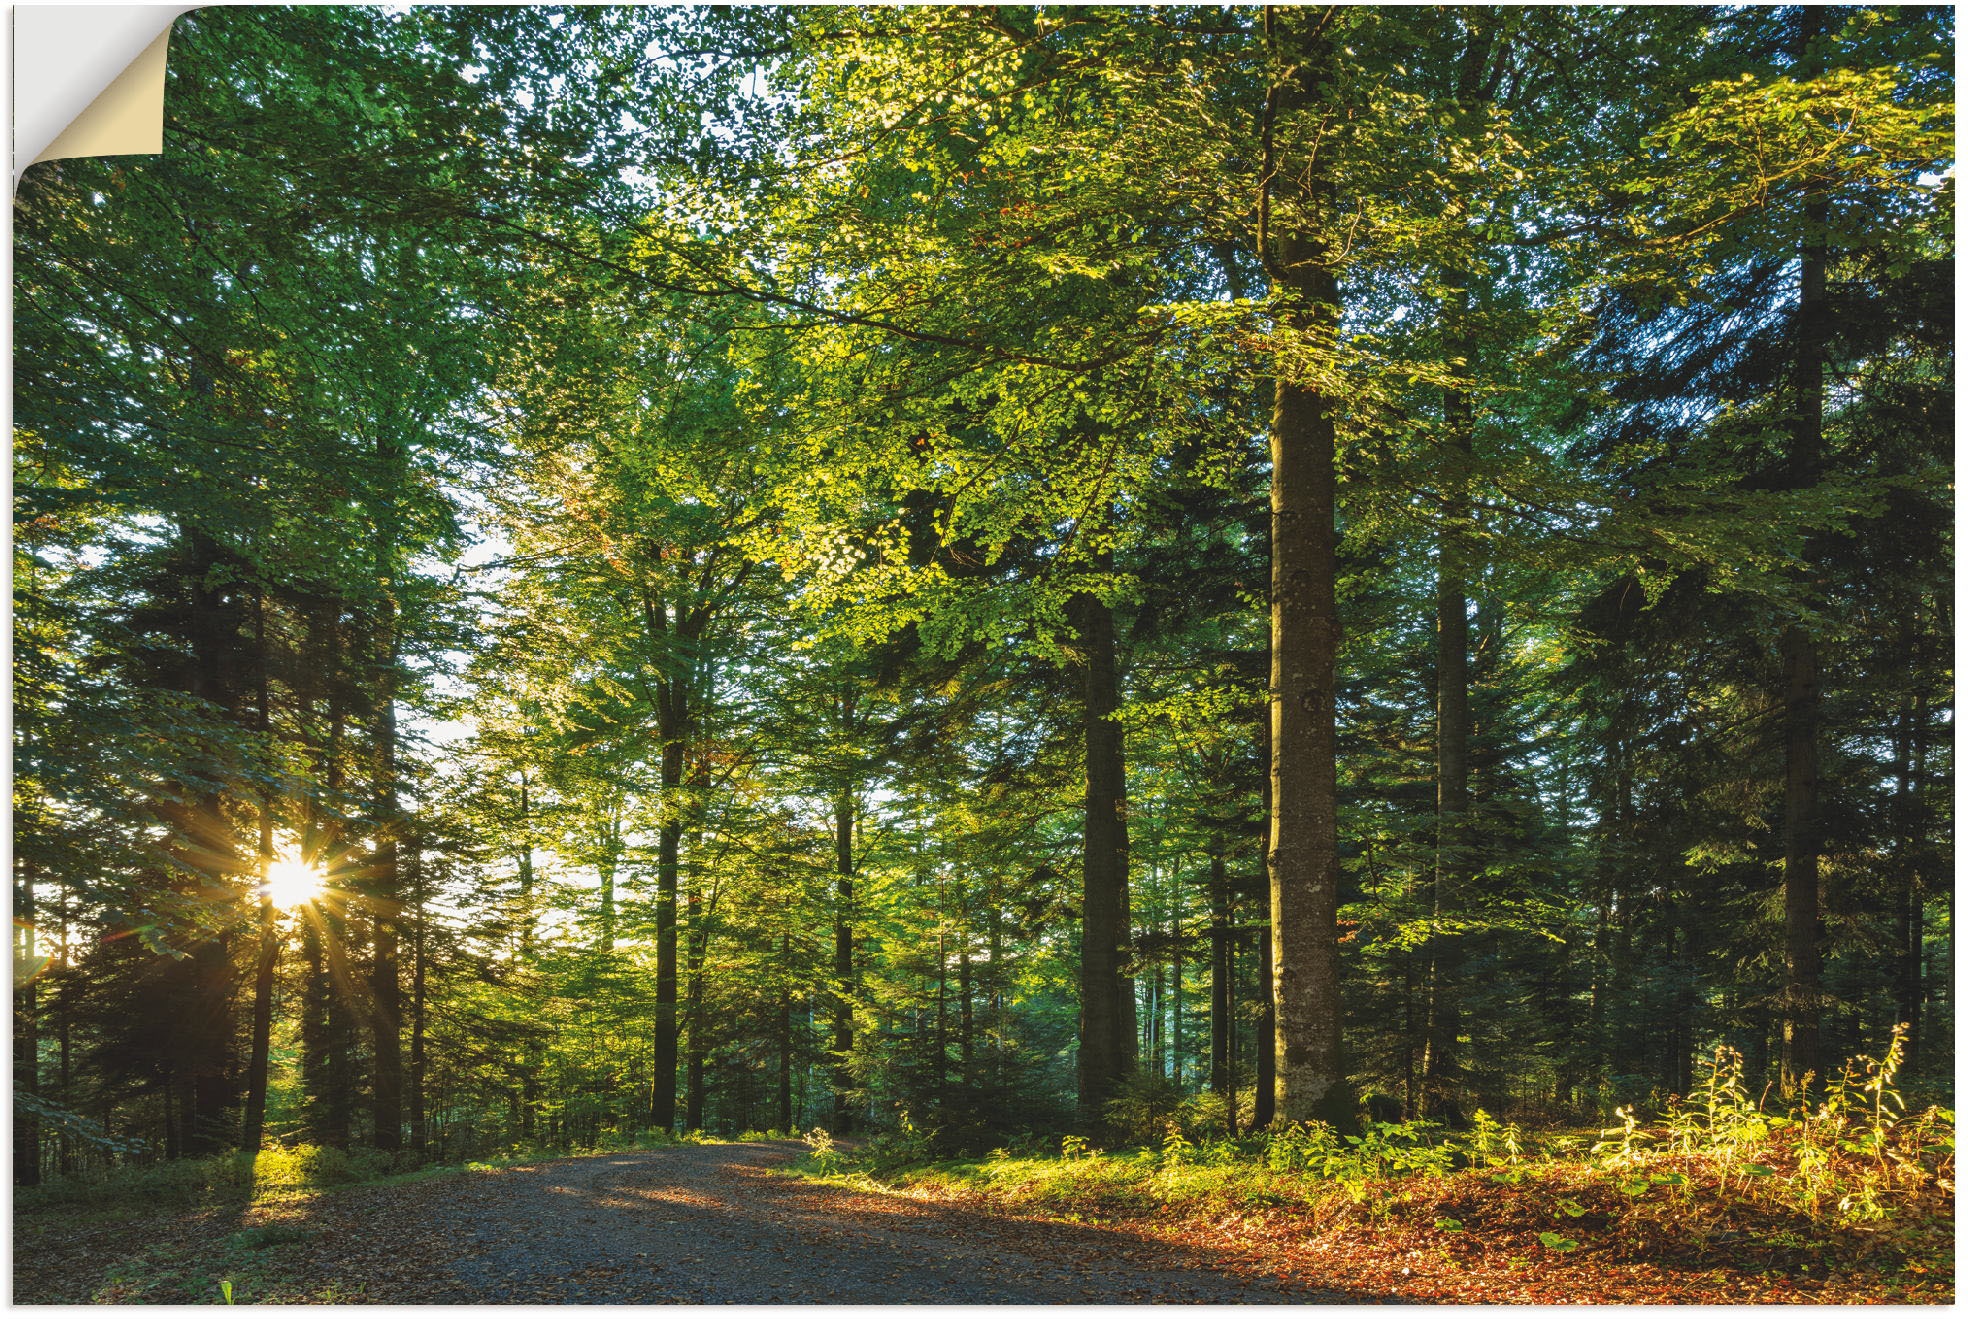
[
  {"x": 1264, "y": 1105},
  {"x": 966, "y": 1014},
  {"x": 785, "y": 1122},
  {"x": 386, "y": 899},
  {"x": 662, "y": 1107},
  {"x": 844, "y": 991},
  {"x": 254, "y": 1126},
  {"x": 256, "y": 1069},
  {"x": 1222, "y": 1018},
  {"x": 1106, "y": 1032},
  {"x": 419, "y": 1058},
  {"x": 1304, "y": 845},
  {"x": 27, "y": 1027},
  {"x": 697, "y": 944},
  {"x": 1800, "y": 652},
  {"x": 1910, "y": 988},
  {"x": 1441, "y": 1067}
]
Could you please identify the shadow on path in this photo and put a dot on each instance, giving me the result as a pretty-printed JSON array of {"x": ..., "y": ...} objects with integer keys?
[{"x": 714, "y": 1224}]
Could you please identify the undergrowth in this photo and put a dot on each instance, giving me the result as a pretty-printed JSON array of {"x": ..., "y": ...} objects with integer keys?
[{"x": 1719, "y": 1168}]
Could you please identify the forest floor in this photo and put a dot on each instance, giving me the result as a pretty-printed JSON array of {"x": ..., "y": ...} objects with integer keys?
[
  {"x": 724, "y": 1222},
  {"x": 694, "y": 1224},
  {"x": 1558, "y": 1233}
]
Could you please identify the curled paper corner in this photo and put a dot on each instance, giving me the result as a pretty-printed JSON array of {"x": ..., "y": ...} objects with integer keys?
[{"x": 89, "y": 80}]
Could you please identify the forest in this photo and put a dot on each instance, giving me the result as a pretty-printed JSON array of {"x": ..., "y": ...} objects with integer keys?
[{"x": 982, "y": 573}]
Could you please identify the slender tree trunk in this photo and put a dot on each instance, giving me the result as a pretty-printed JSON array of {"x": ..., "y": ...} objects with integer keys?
[
  {"x": 1222, "y": 987},
  {"x": 1911, "y": 989},
  {"x": 328, "y": 1021},
  {"x": 1106, "y": 1032},
  {"x": 419, "y": 1057},
  {"x": 1264, "y": 1103},
  {"x": 386, "y": 899},
  {"x": 64, "y": 1025},
  {"x": 1800, "y": 652},
  {"x": 256, "y": 1069},
  {"x": 525, "y": 862},
  {"x": 966, "y": 1017},
  {"x": 844, "y": 987},
  {"x": 785, "y": 1122},
  {"x": 269, "y": 952},
  {"x": 1264, "y": 1107},
  {"x": 697, "y": 945},
  {"x": 1441, "y": 1067},
  {"x": 942, "y": 1068}
]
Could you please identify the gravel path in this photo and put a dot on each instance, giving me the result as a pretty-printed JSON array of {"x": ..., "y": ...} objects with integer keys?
[
  {"x": 714, "y": 1223},
  {"x": 696, "y": 1224}
]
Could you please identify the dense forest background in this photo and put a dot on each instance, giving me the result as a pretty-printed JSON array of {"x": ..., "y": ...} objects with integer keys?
[{"x": 984, "y": 569}]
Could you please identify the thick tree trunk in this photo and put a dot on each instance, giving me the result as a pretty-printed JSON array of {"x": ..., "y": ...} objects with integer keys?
[
  {"x": 27, "y": 1030},
  {"x": 1304, "y": 844},
  {"x": 1106, "y": 1031},
  {"x": 662, "y": 1108}
]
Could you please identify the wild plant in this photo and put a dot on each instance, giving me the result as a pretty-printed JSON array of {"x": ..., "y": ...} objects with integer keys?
[{"x": 821, "y": 1149}]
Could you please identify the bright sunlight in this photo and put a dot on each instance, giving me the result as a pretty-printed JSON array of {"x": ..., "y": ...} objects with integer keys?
[{"x": 291, "y": 883}]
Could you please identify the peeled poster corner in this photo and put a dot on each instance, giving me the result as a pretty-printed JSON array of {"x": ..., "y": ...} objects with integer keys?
[{"x": 89, "y": 80}]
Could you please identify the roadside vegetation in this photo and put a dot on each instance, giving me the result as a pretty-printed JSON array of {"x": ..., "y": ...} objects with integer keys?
[{"x": 1719, "y": 1195}]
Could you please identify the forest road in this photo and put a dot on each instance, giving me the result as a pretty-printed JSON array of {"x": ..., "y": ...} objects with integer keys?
[{"x": 716, "y": 1223}]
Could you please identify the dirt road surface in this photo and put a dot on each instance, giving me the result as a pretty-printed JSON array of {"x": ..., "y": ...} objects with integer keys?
[
  {"x": 701, "y": 1224},
  {"x": 714, "y": 1223}
]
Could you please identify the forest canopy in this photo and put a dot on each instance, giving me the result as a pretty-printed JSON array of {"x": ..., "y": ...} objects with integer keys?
[{"x": 585, "y": 569}]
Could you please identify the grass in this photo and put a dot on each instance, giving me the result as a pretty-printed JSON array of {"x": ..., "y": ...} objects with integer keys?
[{"x": 1850, "y": 1192}]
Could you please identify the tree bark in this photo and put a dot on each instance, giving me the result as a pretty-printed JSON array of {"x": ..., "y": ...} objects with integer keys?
[
  {"x": 1222, "y": 1018},
  {"x": 1441, "y": 1067},
  {"x": 844, "y": 989},
  {"x": 672, "y": 717},
  {"x": 1304, "y": 845},
  {"x": 697, "y": 945},
  {"x": 785, "y": 1122},
  {"x": 386, "y": 898},
  {"x": 27, "y": 1027},
  {"x": 254, "y": 1126},
  {"x": 1106, "y": 1030},
  {"x": 1802, "y": 962},
  {"x": 419, "y": 1058}
]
